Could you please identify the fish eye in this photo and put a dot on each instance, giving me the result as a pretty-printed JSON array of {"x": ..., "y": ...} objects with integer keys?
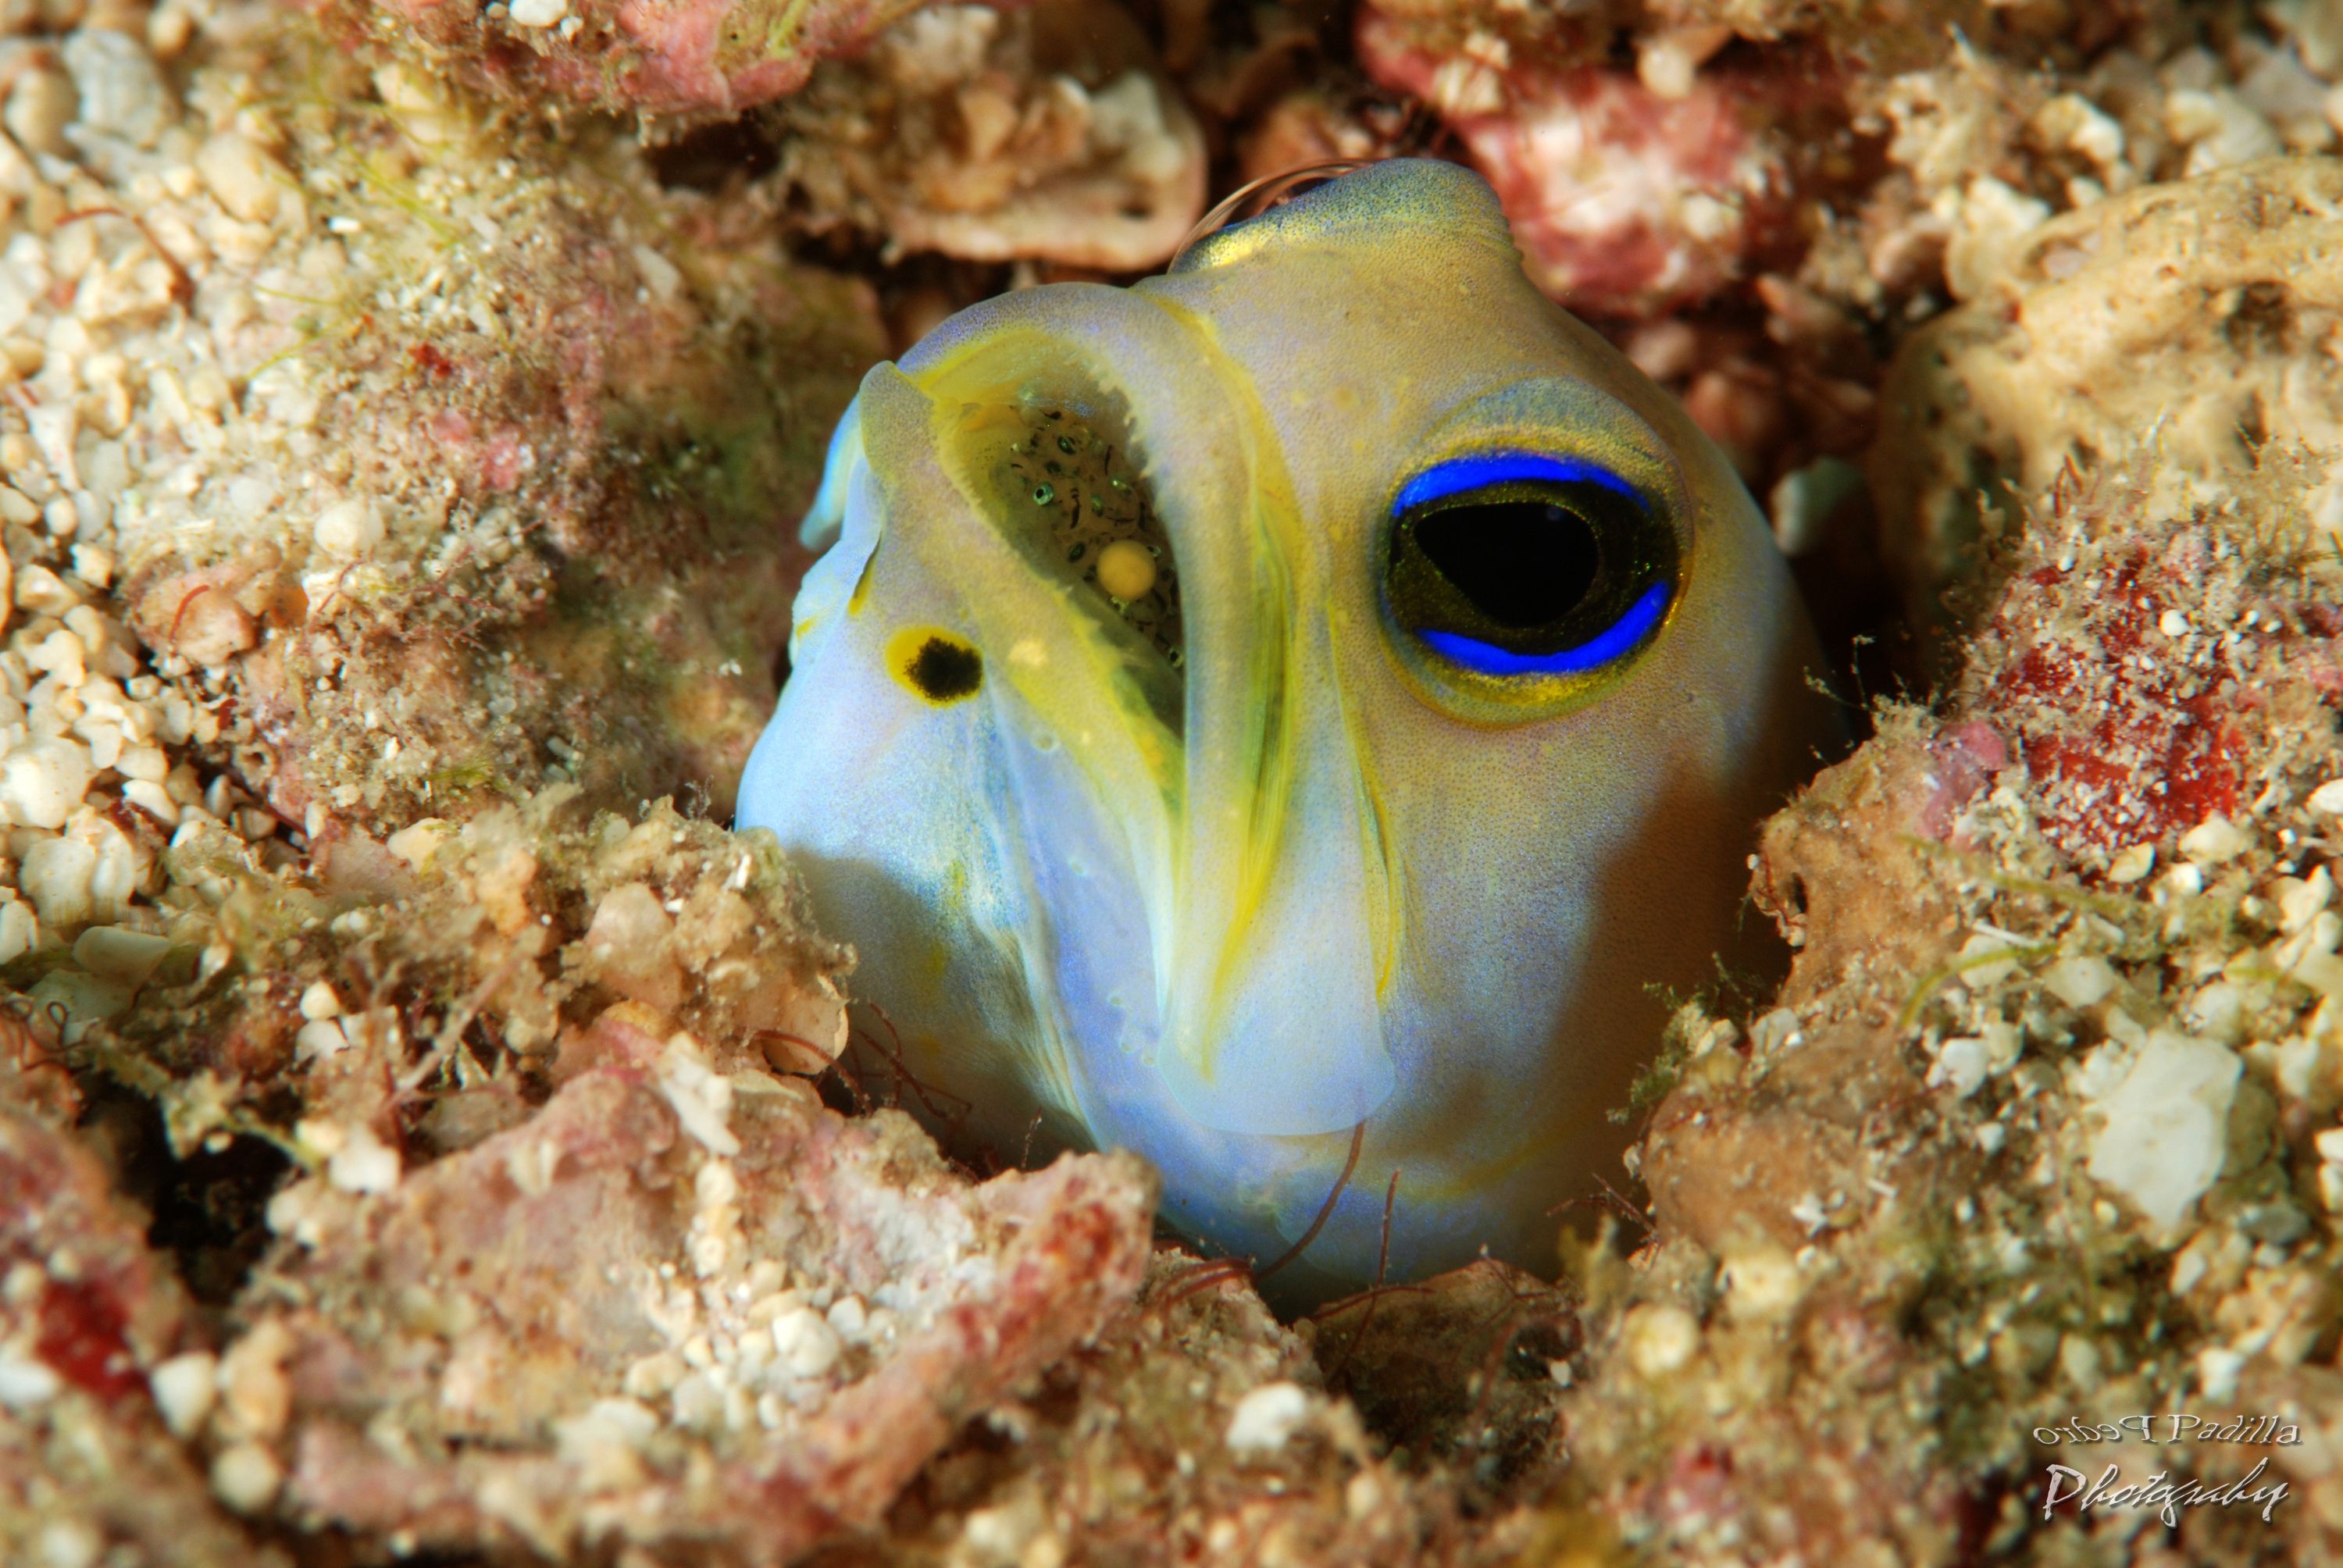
[{"x": 1523, "y": 564}]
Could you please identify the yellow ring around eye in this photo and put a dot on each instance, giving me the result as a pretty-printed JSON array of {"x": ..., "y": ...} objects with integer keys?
[{"x": 938, "y": 667}]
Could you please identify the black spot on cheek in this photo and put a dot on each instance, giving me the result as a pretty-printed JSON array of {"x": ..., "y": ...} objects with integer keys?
[{"x": 946, "y": 671}]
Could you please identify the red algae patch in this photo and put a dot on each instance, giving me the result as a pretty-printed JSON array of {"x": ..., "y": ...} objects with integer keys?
[{"x": 2151, "y": 656}]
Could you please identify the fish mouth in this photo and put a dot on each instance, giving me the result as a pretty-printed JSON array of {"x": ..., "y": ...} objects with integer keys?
[
  {"x": 1043, "y": 452},
  {"x": 1130, "y": 466}
]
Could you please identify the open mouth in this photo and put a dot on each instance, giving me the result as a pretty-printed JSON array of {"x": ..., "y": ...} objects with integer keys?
[
  {"x": 1063, "y": 475},
  {"x": 1049, "y": 460}
]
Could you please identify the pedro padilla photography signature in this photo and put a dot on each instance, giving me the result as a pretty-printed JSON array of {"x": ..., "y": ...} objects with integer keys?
[{"x": 2162, "y": 1492}]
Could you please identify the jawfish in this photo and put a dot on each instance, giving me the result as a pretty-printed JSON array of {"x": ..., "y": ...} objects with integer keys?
[{"x": 1292, "y": 715}]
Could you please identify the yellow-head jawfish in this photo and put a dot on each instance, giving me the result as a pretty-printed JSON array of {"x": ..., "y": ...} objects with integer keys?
[{"x": 1310, "y": 701}]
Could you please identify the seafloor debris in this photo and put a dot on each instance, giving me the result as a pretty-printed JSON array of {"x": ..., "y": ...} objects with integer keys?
[
  {"x": 2200, "y": 321},
  {"x": 331, "y": 508},
  {"x": 1195, "y": 1429},
  {"x": 695, "y": 59},
  {"x": 1031, "y": 131},
  {"x": 1629, "y": 199},
  {"x": 1836, "y": 173},
  {"x": 100, "y": 1363},
  {"x": 317, "y": 388},
  {"x": 1039, "y": 132},
  {"x": 672, "y": 1307},
  {"x": 457, "y": 956},
  {"x": 2032, "y": 1136}
]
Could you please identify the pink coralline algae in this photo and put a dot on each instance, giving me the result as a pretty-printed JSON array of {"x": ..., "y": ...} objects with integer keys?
[
  {"x": 658, "y": 56},
  {"x": 674, "y": 1309},
  {"x": 1962, "y": 763},
  {"x": 1625, "y": 201},
  {"x": 90, "y": 1319}
]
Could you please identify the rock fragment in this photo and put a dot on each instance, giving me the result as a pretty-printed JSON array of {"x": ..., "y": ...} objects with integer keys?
[
  {"x": 2167, "y": 314},
  {"x": 640, "y": 1270},
  {"x": 90, "y": 1320},
  {"x": 1041, "y": 133}
]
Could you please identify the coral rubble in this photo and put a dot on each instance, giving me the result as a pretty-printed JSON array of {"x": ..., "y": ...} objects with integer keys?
[
  {"x": 2033, "y": 1127},
  {"x": 671, "y": 1306},
  {"x": 1627, "y": 197},
  {"x": 100, "y": 1360},
  {"x": 2201, "y": 321},
  {"x": 1039, "y": 132},
  {"x": 709, "y": 57}
]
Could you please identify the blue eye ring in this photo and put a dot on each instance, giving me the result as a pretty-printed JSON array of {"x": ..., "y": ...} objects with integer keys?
[
  {"x": 1483, "y": 470},
  {"x": 1488, "y": 658},
  {"x": 1512, "y": 566}
]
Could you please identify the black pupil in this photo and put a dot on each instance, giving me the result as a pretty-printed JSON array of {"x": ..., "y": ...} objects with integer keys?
[
  {"x": 1521, "y": 563},
  {"x": 1531, "y": 567}
]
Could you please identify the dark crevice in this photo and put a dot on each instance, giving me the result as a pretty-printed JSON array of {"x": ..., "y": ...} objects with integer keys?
[
  {"x": 210, "y": 1208},
  {"x": 713, "y": 157}
]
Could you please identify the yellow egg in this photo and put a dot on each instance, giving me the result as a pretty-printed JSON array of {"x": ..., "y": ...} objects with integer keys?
[{"x": 1125, "y": 569}]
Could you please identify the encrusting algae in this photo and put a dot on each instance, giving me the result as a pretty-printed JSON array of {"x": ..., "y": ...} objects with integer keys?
[{"x": 417, "y": 1117}]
